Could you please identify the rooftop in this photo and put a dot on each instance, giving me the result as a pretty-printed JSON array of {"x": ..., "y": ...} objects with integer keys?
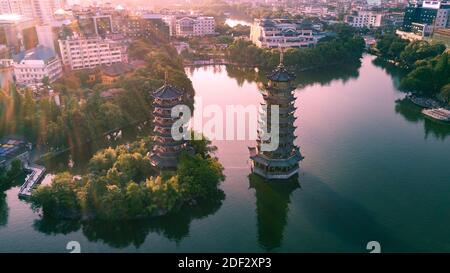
[
  {"x": 116, "y": 69},
  {"x": 110, "y": 93},
  {"x": 281, "y": 74},
  {"x": 39, "y": 53},
  {"x": 167, "y": 91},
  {"x": 11, "y": 147}
]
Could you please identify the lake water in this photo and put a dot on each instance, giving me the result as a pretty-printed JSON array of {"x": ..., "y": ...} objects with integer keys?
[{"x": 374, "y": 170}]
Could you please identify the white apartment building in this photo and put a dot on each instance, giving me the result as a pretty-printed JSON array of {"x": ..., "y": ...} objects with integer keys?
[
  {"x": 41, "y": 10},
  {"x": 22, "y": 7},
  {"x": 442, "y": 12},
  {"x": 364, "y": 19},
  {"x": 272, "y": 33},
  {"x": 83, "y": 53},
  {"x": 32, "y": 66},
  {"x": 194, "y": 26},
  {"x": 44, "y": 10}
]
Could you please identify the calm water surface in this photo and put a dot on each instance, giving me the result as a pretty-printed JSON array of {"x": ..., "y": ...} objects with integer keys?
[{"x": 374, "y": 169}]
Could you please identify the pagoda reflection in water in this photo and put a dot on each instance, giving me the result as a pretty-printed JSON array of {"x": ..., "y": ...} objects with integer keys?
[{"x": 272, "y": 208}]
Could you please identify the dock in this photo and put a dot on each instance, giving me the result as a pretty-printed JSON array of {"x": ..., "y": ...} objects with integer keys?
[
  {"x": 36, "y": 174},
  {"x": 424, "y": 102}
]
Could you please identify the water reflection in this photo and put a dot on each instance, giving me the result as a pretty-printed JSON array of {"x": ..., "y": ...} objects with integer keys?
[
  {"x": 51, "y": 226},
  {"x": 121, "y": 234},
  {"x": 331, "y": 212},
  {"x": 81, "y": 155},
  {"x": 272, "y": 207},
  {"x": 412, "y": 113},
  {"x": 407, "y": 109},
  {"x": 3, "y": 210},
  {"x": 323, "y": 76},
  {"x": 395, "y": 72}
]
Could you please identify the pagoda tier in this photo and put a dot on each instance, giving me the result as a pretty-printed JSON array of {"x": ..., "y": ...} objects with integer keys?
[
  {"x": 166, "y": 150},
  {"x": 283, "y": 162}
]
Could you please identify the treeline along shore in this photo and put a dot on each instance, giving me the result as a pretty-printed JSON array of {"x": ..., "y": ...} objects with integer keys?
[
  {"x": 346, "y": 47},
  {"x": 426, "y": 64}
]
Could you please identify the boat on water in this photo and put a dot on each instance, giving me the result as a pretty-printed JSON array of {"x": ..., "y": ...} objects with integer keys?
[
  {"x": 424, "y": 102},
  {"x": 440, "y": 114}
]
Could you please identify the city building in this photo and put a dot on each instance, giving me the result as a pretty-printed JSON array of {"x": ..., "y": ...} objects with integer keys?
[
  {"x": 46, "y": 36},
  {"x": 192, "y": 26},
  {"x": 11, "y": 150},
  {"x": 423, "y": 17},
  {"x": 44, "y": 10},
  {"x": 144, "y": 26},
  {"x": 41, "y": 10},
  {"x": 442, "y": 36},
  {"x": 272, "y": 33},
  {"x": 96, "y": 24},
  {"x": 165, "y": 149},
  {"x": 110, "y": 73},
  {"x": 393, "y": 19},
  {"x": 17, "y": 32},
  {"x": 32, "y": 66},
  {"x": 89, "y": 52},
  {"x": 364, "y": 19},
  {"x": 283, "y": 161},
  {"x": 21, "y": 7}
]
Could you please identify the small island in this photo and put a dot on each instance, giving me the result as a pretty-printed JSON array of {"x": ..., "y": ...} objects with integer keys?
[{"x": 121, "y": 184}]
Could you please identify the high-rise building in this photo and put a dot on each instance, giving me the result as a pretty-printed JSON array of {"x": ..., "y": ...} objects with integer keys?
[
  {"x": 282, "y": 162},
  {"x": 17, "y": 32},
  {"x": 44, "y": 10},
  {"x": 22, "y": 7},
  {"x": 46, "y": 36},
  {"x": 424, "y": 16}
]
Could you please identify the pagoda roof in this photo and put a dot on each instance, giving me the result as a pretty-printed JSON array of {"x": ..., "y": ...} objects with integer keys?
[
  {"x": 281, "y": 74},
  {"x": 167, "y": 91},
  {"x": 166, "y": 105}
]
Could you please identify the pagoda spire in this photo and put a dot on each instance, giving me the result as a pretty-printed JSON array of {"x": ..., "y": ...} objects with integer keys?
[
  {"x": 281, "y": 55},
  {"x": 166, "y": 76}
]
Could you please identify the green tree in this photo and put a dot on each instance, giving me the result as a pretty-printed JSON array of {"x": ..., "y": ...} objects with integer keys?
[
  {"x": 60, "y": 199},
  {"x": 445, "y": 92}
]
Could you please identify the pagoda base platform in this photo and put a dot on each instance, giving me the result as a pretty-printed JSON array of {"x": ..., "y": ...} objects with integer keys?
[
  {"x": 163, "y": 163},
  {"x": 277, "y": 175}
]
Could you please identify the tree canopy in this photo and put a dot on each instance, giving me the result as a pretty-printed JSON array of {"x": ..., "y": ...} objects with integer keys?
[{"x": 121, "y": 184}]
